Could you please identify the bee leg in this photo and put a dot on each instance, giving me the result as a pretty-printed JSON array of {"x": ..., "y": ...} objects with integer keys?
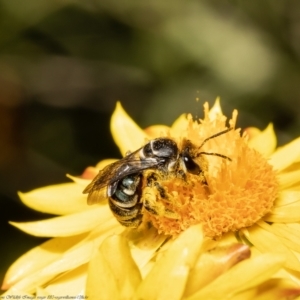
[
  {"x": 170, "y": 214},
  {"x": 151, "y": 179},
  {"x": 181, "y": 174},
  {"x": 203, "y": 179},
  {"x": 161, "y": 190},
  {"x": 154, "y": 207},
  {"x": 149, "y": 201}
]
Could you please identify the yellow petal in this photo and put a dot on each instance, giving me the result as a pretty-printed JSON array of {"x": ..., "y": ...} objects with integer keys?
[
  {"x": 72, "y": 282},
  {"x": 287, "y": 213},
  {"x": 67, "y": 225},
  {"x": 273, "y": 289},
  {"x": 227, "y": 238},
  {"x": 216, "y": 110},
  {"x": 126, "y": 133},
  {"x": 81, "y": 252},
  {"x": 70, "y": 259},
  {"x": 79, "y": 181},
  {"x": 105, "y": 162},
  {"x": 41, "y": 294},
  {"x": 287, "y": 197},
  {"x": 293, "y": 167},
  {"x": 56, "y": 199},
  {"x": 37, "y": 258},
  {"x": 143, "y": 244},
  {"x": 101, "y": 283},
  {"x": 116, "y": 251},
  {"x": 30, "y": 283},
  {"x": 267, "y": 242},
  {"x": 286, "y": 155},
  {"x": 288, "y": 179},
  {"x": 179, "y": 125},
  {"x": 289, "y": 236},
  {"x": 289, "y": 231},
  {"x": 16, "y": 294},
  {"x": 265, "y": 142},
  {"x": 288, "y": 274},
  {"x": 168, "y": 277},
  {"x": 243, "y": 276},
  {"x": 295, "y": 227},
  {"x": 277, "y": 289},
  {"x": 245, "y": 295},
  {"x": 156, "y": 131},
  {"x": 252, "y": 132},
  {"x": 213, "y": 263}
]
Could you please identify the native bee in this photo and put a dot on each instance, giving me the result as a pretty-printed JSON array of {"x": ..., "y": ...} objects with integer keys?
[{"x": 123, "y": 180}]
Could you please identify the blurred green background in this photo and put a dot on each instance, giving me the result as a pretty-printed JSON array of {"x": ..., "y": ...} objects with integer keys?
[{"x": 65, "y": 63}]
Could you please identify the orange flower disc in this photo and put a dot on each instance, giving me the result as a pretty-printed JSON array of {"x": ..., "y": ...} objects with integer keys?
[{"x": 238, "y": 192}]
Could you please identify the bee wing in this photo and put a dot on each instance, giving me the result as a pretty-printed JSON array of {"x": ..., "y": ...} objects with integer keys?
[
  {"x": 97, "y": 188},
  {"x": 103, "y": 178},
  {"x": 111, "y": 174},
  {"x": 96, "y": 196}
]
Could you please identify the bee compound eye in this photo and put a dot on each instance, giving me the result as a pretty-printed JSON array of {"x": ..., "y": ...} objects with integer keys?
[{"x": 190, "y": 165}]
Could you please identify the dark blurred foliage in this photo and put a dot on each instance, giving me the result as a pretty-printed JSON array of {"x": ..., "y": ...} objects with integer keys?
[{"x": 64, "y": 64}]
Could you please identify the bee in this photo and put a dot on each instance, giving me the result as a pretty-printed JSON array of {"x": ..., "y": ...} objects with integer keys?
[{"x": 122, "y": 181}]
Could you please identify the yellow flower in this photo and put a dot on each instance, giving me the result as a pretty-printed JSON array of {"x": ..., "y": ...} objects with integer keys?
[{"x": 251, "y": 198}]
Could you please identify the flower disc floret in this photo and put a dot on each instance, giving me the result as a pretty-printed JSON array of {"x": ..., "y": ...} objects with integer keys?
[{"x": 238, "y": 193}]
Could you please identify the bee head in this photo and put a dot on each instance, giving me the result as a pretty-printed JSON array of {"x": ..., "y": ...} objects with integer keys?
[{"x": 187, "y": 157}]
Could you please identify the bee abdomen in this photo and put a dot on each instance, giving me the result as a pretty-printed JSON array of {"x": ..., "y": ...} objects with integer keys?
[
  {"x": 122, "y": 199},
  {"x": 124, "y": 213},
  {"x": 125, "y": 195},
  {"x": 125, "y": 202},
  {"x": 129, "y": 217}
]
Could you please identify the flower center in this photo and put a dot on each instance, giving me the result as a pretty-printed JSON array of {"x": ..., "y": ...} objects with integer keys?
[{"x": 235, "y": 194}]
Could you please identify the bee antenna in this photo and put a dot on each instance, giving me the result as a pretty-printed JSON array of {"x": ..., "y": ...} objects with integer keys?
[
  {"x": 215, "y": 154},
  {"x": 212, "y": 137}
]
